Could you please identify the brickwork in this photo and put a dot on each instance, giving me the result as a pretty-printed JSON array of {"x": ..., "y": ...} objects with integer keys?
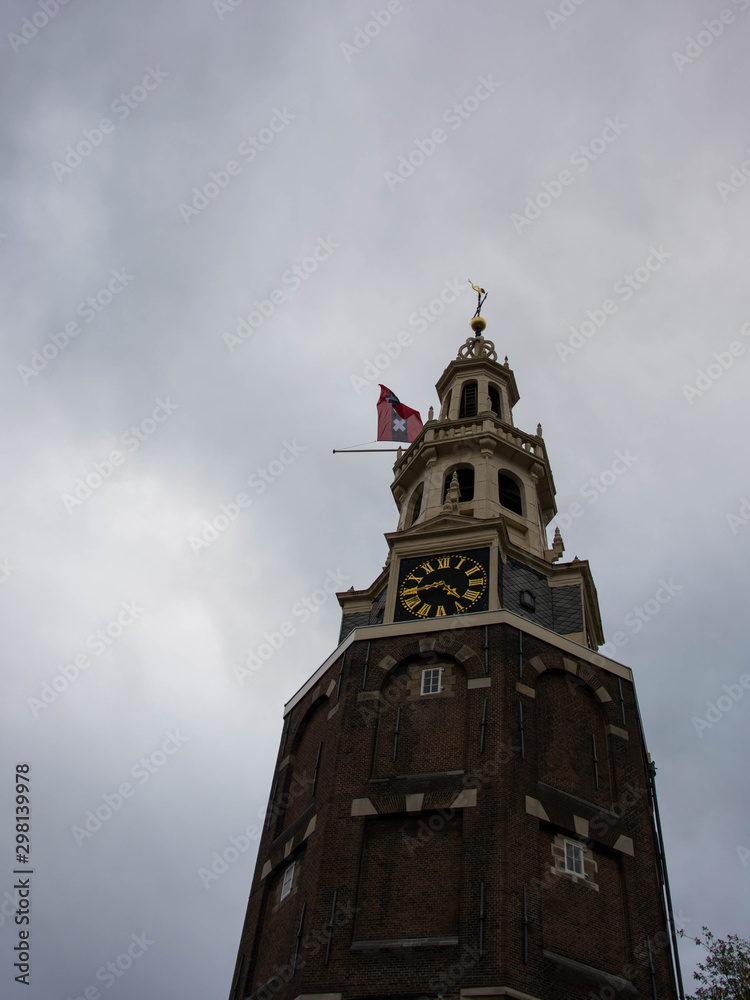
[{"x": 411, "y": 863}]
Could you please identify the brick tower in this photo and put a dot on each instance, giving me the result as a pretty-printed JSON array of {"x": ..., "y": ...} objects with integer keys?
[{"x": 463, "y": 805}]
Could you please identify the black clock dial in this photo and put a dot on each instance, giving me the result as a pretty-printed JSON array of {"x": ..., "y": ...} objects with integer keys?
[{"x": 449, "y": 584}]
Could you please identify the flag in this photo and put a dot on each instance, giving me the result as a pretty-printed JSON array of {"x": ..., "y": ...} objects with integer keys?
[{"x": 396, "y": 422}]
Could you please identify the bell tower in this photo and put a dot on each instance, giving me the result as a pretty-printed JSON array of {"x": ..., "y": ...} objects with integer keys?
[
  {"x": 473, "y": 479},
  {"x": 463, "y": 805}
]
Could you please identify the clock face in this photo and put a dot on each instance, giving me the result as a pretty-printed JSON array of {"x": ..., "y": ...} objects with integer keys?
[{"x": 441, "y": 585}]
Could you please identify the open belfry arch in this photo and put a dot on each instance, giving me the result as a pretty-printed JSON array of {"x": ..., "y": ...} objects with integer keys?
[{"x": 463, "y": 804}]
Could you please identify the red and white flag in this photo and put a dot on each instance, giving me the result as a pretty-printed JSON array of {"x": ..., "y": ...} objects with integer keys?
[{"x": 396, "y": 422}]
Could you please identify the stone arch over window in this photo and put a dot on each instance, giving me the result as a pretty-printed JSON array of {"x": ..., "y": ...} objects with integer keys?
[
  {"x": 571, "y": 737},
  {"x": 469, "y": 400},
  {"x": 447, "y": 406},
  {"x": 510, "y": 493},
  {"x": 407, "y": 719},
  {"x": 494, "y": 394},
  {"x": 415, "y": 504},
  {"x": 304, "y": 773},
  {"x": 465, "y": 476}
]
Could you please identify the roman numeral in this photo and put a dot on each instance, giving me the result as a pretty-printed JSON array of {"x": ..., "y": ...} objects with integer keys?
[
  {"x": 460, "y": 607},
  {"x": 444, "y": 562},
  {"x": 412, "y": 602},
  {"x": 461, "y": 562},
  {"x": 440, "y": 613},
  {"x": 423, "y": 611},
  {"x": 427, "y": 567},
  {"x": 474, "y": 569},
  {"x": 471, "y": 595},
  {"x": 409, "y": 590}
]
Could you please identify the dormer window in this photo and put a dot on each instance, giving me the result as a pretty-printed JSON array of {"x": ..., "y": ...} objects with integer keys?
[
  {"x": 527, "y": 600},
  {"x": 468, "y": 406}
]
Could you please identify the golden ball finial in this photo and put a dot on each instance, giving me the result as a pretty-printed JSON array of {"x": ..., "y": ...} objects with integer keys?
[{"x": 478, "y": 325}]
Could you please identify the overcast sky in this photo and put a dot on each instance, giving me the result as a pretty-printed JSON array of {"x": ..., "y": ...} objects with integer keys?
[{"x": 173, "y": 163}]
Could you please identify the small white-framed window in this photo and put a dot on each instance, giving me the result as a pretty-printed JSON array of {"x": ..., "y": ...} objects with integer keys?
[
  {"x": 432, "y": 680},
  {"x": 574, "y": 859},
  {"x": 286, "y": 885}
]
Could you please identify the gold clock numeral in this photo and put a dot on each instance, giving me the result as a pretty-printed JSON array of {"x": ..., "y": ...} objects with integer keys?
[
  {"x": 460, "y": 607},
  {"x": 409, "y": 590},
  {"x": 440, "y": 613},
  {"x": 412, "y": 602},
  {"x": 460, "y": 563},
  {"x": 424, "y": 611},
  {"x": 444, "y": 562},
  {"x": 474, "y": 569},
  {"x": 427, "y": 567},
  {"x": 471, "y": 595}
]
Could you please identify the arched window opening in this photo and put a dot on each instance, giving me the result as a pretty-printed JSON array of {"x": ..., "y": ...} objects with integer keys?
[
  {"x": 417, "y": 503},
  {"x": 465, "y": 476},
  {"x": 510, "y": 494},
  {"x": 494, "y": 400},
  {"x": 468, "y": 401}
]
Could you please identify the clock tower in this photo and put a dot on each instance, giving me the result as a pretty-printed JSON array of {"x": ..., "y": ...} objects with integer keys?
[{"x": 463, "y": 805}]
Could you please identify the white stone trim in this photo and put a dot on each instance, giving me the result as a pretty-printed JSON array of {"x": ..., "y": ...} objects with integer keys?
[
  {"x": 624, "y": 844},
  {"x": 363, "y": 807},
  {"x": 535, "y": 808},
  {"x": 454, "y": 622}
]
